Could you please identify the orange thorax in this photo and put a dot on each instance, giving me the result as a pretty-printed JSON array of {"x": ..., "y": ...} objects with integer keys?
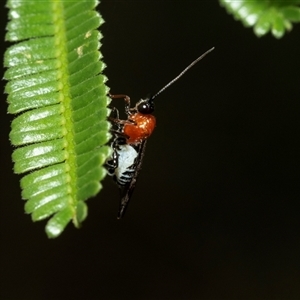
[{"x": 141, "y": 129}]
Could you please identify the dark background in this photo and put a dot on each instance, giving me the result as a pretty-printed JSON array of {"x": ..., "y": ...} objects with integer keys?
[{"x": 215, "y": 214}]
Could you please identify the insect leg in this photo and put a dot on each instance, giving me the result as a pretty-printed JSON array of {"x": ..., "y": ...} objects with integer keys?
[
  {"x": 112, "y": 163},
  {"x": 120, "y": 134},
  {"x": 114, "y": 112},
  {"x": 114, "y": 116},
  {"x": 126, "y": 99},
  {"x": 123, "y": 122}
]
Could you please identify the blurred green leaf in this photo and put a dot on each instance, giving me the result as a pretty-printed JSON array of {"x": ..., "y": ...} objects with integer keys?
[{"x": 265, "y": 15}]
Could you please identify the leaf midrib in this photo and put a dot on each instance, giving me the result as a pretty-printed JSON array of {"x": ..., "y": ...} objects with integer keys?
[{"x": 66, "y": 108}]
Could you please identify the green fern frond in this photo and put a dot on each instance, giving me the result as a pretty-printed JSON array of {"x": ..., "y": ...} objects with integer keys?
[
  {"x": 265, "y": 15},
  {"x": 55, "y": 87}
]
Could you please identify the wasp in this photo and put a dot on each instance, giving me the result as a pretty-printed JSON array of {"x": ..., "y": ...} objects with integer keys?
[{"x": 130, "y": 138}]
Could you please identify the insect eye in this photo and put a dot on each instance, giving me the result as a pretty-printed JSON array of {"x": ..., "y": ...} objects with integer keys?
[{"x": 145, "y": 107}]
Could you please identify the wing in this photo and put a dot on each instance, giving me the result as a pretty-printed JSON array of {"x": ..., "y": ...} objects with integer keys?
[{"x": 127, "y": 190}]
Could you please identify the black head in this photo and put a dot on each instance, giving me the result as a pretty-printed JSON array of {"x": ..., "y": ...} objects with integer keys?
[{"x": 145, "y": 106}]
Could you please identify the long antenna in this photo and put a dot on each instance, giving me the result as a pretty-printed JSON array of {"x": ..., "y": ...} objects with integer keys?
[{"x": 184, "y": 71}]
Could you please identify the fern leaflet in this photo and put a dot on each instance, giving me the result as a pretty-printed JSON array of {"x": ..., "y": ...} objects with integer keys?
[{"x": 56, "y": 87}]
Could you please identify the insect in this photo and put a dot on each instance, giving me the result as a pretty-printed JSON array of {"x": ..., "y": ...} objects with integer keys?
[{"x": 130, "y": 138}]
